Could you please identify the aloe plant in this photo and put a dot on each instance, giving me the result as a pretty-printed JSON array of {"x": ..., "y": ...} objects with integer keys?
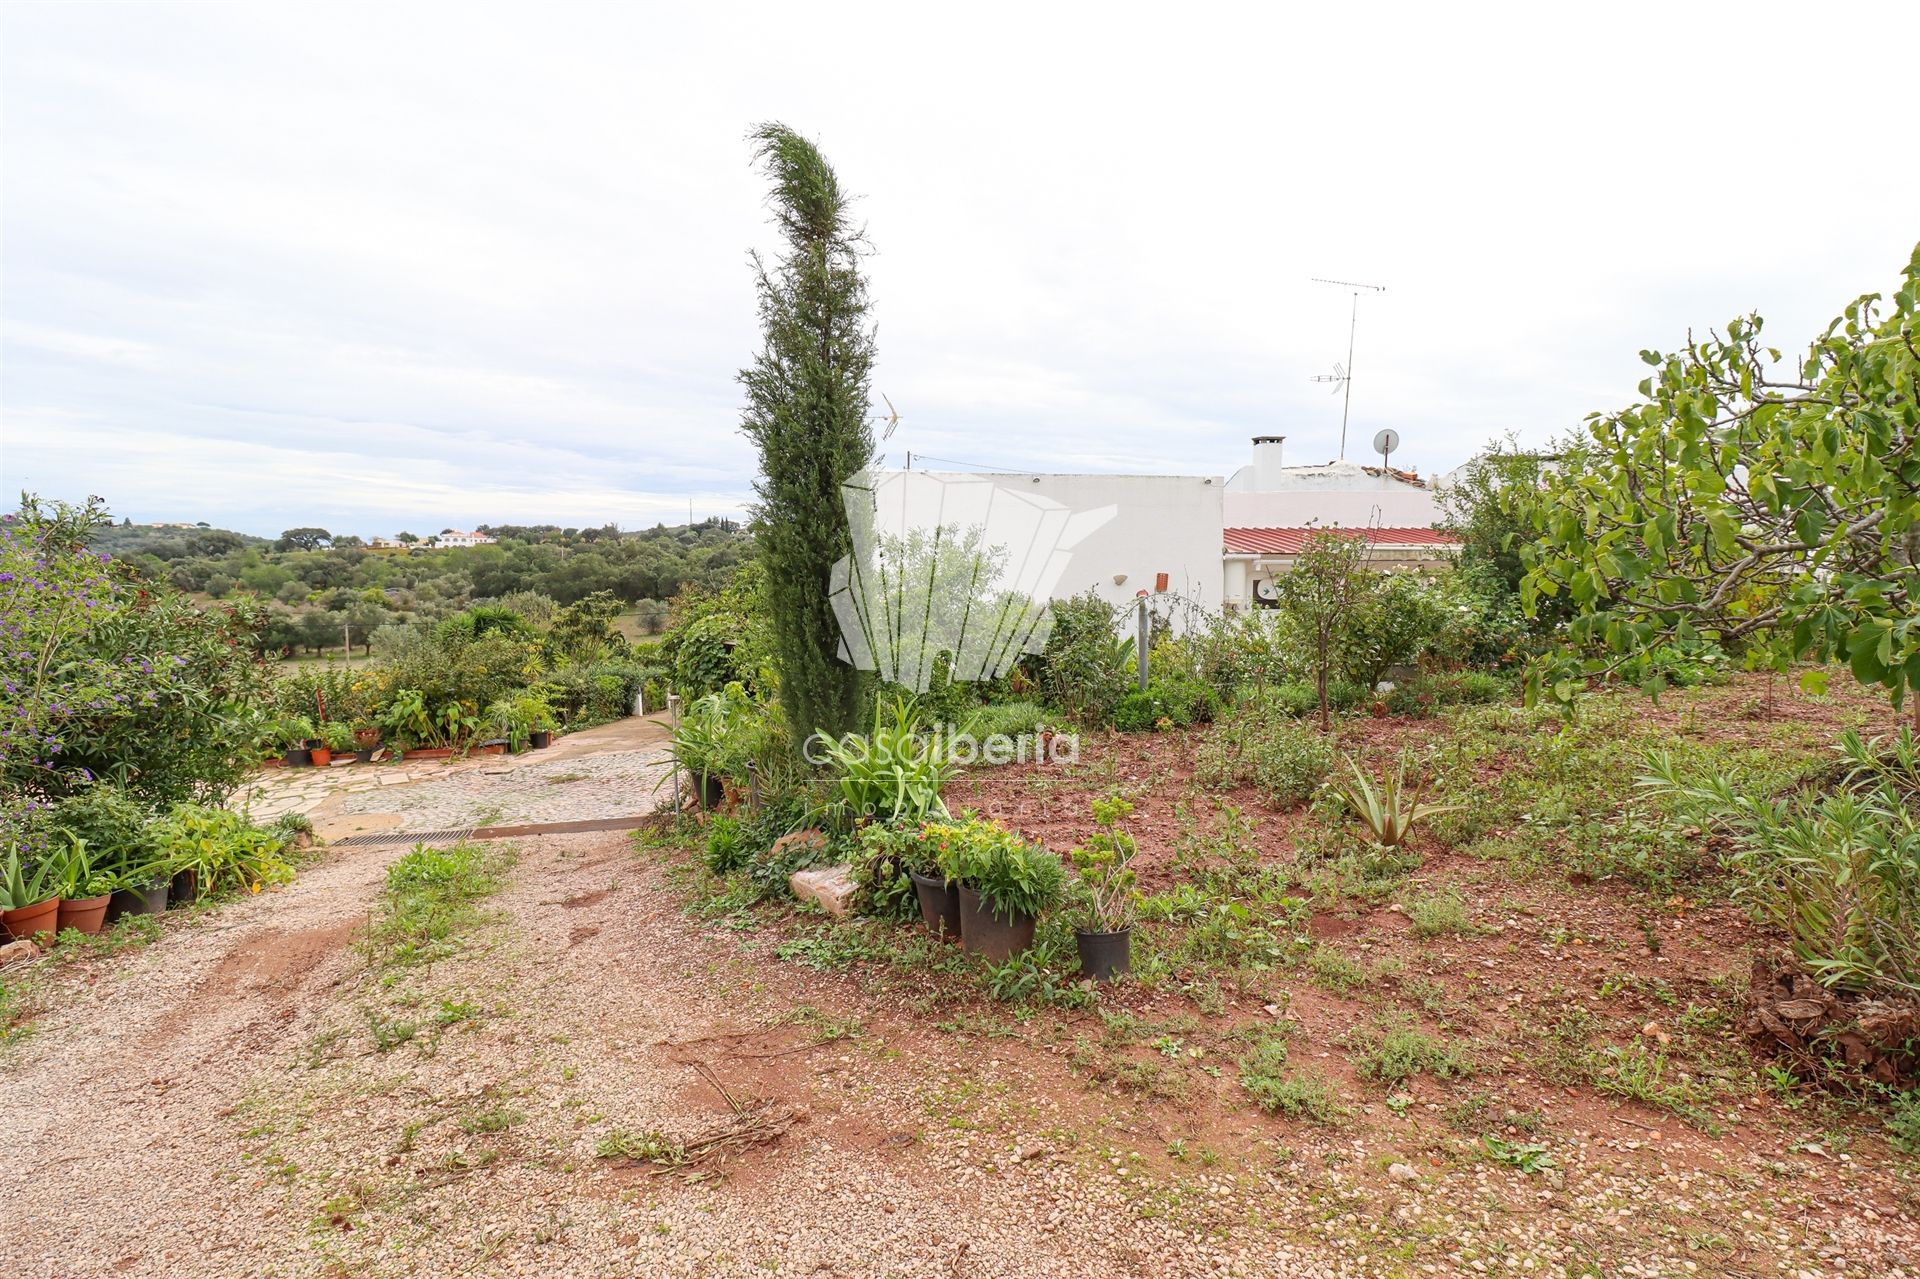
[
  {"x": 20, "y": 886},
  {"x": 1387, "y": 812}
]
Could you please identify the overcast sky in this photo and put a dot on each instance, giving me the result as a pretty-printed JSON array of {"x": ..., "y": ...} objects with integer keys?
[{"x": 412, "y": 265}]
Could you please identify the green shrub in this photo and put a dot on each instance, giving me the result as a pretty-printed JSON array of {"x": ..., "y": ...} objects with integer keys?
[
  {"x": 1299, "y": 700},
  {"x": 1007, "y": 719},
  {"x": 703, "y": 659},
  {"x": 726, "y": 851},
  {"x": 225, "y": 852},
  {"x": 1085, "y": 666},
  {"x": 1285, "y": 760},
  {"x": 1180, "y": 700}
]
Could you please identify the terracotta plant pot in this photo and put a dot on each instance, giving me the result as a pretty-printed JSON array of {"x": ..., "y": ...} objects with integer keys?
[
  {"x": 993, "y": 937},
  {"x": 86, "y": 913},
  {"x": 1104, "y": 956},
  {"x": 321, "y": 756},
  {"x": 430, "y": 752},
  {"x": 939, "y": 904},
  {"x": 41, "y": 917}
]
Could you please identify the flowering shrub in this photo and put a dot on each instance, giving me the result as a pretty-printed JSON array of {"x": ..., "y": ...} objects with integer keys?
[{"x": 105, "y": 677}]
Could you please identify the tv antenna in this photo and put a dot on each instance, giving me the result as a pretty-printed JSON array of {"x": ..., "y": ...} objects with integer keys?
[
  {"x": 892, "y": 419},
  {"x": 1342, "y": 378}
]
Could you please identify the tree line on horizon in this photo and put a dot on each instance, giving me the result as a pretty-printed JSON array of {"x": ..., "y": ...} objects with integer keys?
[{"x": 320, "y": 588}]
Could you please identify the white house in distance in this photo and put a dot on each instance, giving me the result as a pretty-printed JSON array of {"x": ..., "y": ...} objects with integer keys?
[
  {"x": 1220, "y": 541},
  {"x": 453, "y": 538}
]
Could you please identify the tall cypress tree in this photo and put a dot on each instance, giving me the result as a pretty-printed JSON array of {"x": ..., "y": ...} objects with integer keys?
[{"x": 807, "y": 410}]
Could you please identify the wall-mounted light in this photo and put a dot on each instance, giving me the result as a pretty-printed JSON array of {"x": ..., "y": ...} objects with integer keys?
[{"x": 1119, "y": 579}]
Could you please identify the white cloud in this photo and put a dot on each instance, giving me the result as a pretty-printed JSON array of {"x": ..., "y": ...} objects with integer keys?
[{"x": 378, "y": 265}]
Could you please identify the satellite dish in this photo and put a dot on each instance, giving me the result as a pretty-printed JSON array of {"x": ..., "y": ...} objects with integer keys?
[{"x": 1386, "y": 442}]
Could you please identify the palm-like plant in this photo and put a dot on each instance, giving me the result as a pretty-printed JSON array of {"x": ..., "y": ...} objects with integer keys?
[{"x": 1388, "y": 811}]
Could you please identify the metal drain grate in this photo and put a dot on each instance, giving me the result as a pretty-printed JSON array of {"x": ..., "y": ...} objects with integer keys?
[{"x": 435, "y": 837}]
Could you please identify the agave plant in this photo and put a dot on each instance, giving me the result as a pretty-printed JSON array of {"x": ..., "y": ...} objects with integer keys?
[{"x": 1388, "y": 812}]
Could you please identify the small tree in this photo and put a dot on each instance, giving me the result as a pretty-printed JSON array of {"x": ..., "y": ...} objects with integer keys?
[
  {"x": 1320, "y": 597},
  {"x": 303, "y": 539},
  {"x": 1488, "y": 505},
  {"x": 807, "y": 394},
  {"x": 1764, "y": 508}
]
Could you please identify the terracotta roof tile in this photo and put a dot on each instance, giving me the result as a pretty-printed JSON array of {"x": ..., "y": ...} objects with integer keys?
[{"x": 1289, "y": 541}]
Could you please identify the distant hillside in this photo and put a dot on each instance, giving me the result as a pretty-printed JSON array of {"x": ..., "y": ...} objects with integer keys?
[{"x": 123, "y": 540}]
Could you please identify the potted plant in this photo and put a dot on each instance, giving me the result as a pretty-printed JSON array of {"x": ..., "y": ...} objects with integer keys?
[
  {"x": 1005, "y": 884},
  {"x": 141, "y": 890},
  {"x": 508, "y": 721},
  {"x": 84, "y": 892},
  {"x": 1105, "y": 864},
  {"x": 297, "y": 731},
  {"x": 366, "y": 740},
  {"x": 540, "y": 720},
  {"x": 338, "y": 737},
  {"x": 29, "y": 903},
  {"x": 917, "y": 852}
]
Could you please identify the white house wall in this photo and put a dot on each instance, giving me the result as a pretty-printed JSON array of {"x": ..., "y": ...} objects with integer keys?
[{"x": 1162, "y": 524}]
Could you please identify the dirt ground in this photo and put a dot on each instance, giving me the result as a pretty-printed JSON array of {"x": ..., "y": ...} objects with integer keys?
[{"x": 249, "y": 1096}]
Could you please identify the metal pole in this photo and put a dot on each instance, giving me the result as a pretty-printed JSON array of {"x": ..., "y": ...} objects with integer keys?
[
  {"x": 673, "y": 715},
  {"x": 1140, "y": 648},
  {"x": 1346, "y": 401}
]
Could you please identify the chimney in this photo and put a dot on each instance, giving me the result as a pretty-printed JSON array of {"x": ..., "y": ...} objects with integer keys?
[{"x": 1267, "y": 462}]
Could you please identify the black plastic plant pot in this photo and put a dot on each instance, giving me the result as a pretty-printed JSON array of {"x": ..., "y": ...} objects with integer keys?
[
  {"x": 993, "y": 937},
  {"x": 939, "y": 904},
  {"x": 183, "y": 891},
  {"x": 150, "y": 900},
  {"x": 712, "y": 791},
  {"x": 299, "y": 757},
  {"x": 365, "y": 754},
  {"x": 315, "y": 743},
  {"x": 1104, "y": 956},
  {"x": 541, "y": 739}
]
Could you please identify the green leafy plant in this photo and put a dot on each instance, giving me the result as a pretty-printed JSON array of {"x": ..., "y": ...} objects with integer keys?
[
  {"x": 895, "y": 773},
  {"x": 1286, "y": 761},
  {"x": 1756, "y": 500},
  {"x": 1528, "y": 1157},
  {"x": 1105, "y": 864},
  {"x": 296, "y": 731},
  {"x": 222, "y": 849},
  {"x": 1388, "y": 811},
  {"x": 1839, "y": 873},
  {"x": 1012, "y": 876}
]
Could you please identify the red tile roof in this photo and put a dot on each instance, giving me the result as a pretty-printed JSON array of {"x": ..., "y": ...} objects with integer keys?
[{"x": 1289, "y": 541}]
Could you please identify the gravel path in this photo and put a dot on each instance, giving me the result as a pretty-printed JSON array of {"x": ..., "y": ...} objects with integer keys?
[
  {"x": 525, "y": 789},
  {"x": 245, "y": 1098}
]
